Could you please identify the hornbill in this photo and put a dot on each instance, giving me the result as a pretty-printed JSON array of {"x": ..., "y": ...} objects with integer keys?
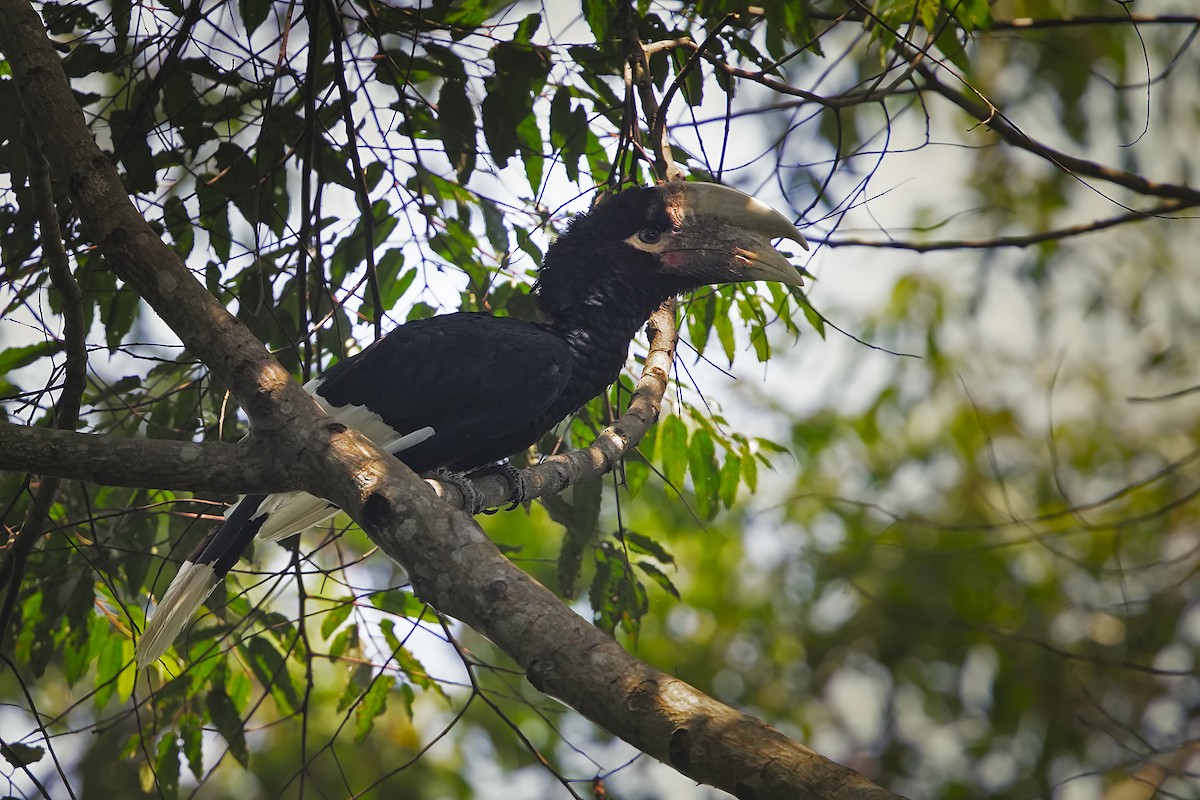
[{"x": 463, "y": 391}]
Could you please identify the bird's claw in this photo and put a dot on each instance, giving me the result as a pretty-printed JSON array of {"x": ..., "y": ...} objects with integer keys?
[
  {"x": 518, "y": 486},
  {"x": 472, "y": 500}
]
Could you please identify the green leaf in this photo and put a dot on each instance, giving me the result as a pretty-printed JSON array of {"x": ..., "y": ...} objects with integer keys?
[
  {"x": 731, "y": 475},
  {"x": 86, "y": 58},
  {"x": 358, "y": 678},
  {"x": 672, "y": 450},
  {"x": 83, "y": 647},
  {"x": 128, "y": 674},
  {"x": 693, "y": 83},
  {"x": 420, "y": 310},
  {"x": 335, "y": 616},
  {"x": 702, "y": 465},
  {"x": 568, "y": 131},
  {"x": 598, "y": 15},
  {"x": 399, "y": 602},
  {"x": 526, "y": 243},
  {"x": 179, "y": 225},
  {"x": 21, "y": 755},
  {"x": 531, "y": 151},
  {"x": 254, "y": 13},
  {"x": 494, "y": 227},
  {"x": 240, "y": 689},
  {"x": 659, "y": 577},
  {"x": 974, "y": 14},
  {"x": 814, "y": 319},
  {"x": 269, "y": 668},
  {"x": 637, "y": 472},
  {"x": 345, "y": 642},
  {"x": 204, "y": 662},
  {"x": 214, "y": 216},
  {"x": 351, "y": 251},
  {"x": 166, "y": 766},
  {"x": 16, "y": 357},
  {"x": 415, "y": 671},
  {"x": 500, "y": 119},
  {"x": 579, "y": 516},
  {"x": 527, "y": 28},
  {"x": 191, "y": 736},
  {"x": 723, "y": 323},
  {"x": 109, "y": 666},
  {"x": 456, "y": 126},
  {"x": 456, "y": 245},
  {"x": 392, "y": 285},
  {"x": 374, "y": 704},
  {"x": 388, "y": 628},
  {"x": 617, "y": 596},
  {"x": 639, "y": 543},
  {"x": 605, "y": 592},
  {"x": 374, "y": 173},
  {"x": 749, "y": 471},
  {"x": 408, "y": 663},
  {"x": 224, "y": 715},
  {"x": 701, "y": 314},
  {"x": 407, "y": 695},
  {"x": 134, "y": 151}
]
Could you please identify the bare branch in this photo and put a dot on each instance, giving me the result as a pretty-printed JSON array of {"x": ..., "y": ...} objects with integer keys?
[
  {"x": 1158, "y": 212},
  {"x": 988, "y": 114},
  {"x": 638, "y": 68},
  {"x": 1029, "y": 23},
  {"x": 658, "y": 131},
  {"x": 110, "y": 460},
  {"x": 362, "y": 193},
  {"x": 853, "y": 97},
  {"x": 1083, "y": 20}
]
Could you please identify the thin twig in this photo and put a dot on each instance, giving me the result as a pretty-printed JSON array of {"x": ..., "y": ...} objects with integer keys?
[
  {"x": 987, "y": 113},
  {"x": 362, "y": 193},
  {"x": 658, "y": 132},
  {"x": 639, "y": 72},
  {"x": 1158, "y": 212}
]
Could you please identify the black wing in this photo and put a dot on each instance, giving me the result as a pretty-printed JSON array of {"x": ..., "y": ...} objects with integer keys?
[{"x": 483, "y": 384}]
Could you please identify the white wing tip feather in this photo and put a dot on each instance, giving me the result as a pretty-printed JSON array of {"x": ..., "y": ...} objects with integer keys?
[{"x": 191, "y": 586}]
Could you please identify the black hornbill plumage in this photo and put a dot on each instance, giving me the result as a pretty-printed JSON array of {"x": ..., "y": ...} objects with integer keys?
[{"x": 462, "y": 391}]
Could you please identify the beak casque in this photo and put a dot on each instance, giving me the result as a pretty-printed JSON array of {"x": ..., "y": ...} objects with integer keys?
[{"x": 715, "y": 217}]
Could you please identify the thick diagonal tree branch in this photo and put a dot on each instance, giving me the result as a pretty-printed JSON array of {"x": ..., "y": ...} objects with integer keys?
[{"x": 453, "y": 565}]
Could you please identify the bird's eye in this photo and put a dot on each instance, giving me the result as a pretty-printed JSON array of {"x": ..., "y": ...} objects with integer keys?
[{"x": 650, "y": 235}]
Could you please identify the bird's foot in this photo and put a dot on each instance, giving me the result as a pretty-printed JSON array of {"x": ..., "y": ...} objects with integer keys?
[
  {"x": 472, "y": 501},
  {"x": 518, "y": 487}
]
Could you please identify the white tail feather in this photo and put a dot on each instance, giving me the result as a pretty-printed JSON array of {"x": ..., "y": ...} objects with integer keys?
[
  {"x": 291, "y": 513},
  {"x": 288, "y": 513},
  {"x": 193, "y": 583}
]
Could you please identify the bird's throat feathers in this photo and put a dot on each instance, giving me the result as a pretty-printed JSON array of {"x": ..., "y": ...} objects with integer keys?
[
  {"x": 599, "y": 323},
  {"x": 608, "y": 315}
]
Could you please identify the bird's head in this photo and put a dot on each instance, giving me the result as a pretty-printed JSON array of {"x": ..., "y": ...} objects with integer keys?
[{"x": 647, "y": 244}]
